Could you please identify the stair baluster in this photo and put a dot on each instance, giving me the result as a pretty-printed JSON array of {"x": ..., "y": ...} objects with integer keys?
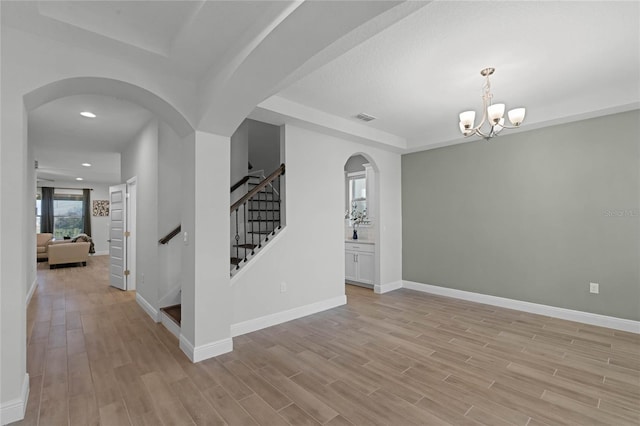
[
  {"x": 256, "y": 206},
  {"x": 244, "y": 220}
]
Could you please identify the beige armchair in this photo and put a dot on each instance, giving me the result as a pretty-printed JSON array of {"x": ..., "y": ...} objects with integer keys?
[
  {"x": 42, "y": 244},
  {"x": 62, "y": 252}
]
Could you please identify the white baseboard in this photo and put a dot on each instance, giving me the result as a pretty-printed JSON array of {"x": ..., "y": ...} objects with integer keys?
[
  {"x": 534, "y": 308},
  {"x": 384, "y": 288},
  {"x": 101, "y": 253},
  {"x": 32, "y": 290},
  {"x": 170, "y": 324},
  {"x": 202, "y": 352},
  {"x": 150, "y": 310},
  {"x": 13, "y": 410},
  {"x": 284, "y": 316}
]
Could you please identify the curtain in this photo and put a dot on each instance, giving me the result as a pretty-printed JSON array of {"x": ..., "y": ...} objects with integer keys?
[
  {"x": 86, "y": 211},
  {"x": 46, "y": 210}
]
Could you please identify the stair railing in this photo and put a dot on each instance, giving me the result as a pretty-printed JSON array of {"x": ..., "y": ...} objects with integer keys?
[
  {"x": 259, "y": 174},
  {"x": 170, "y": 235},
  {"x": 239, "y": 183},
  {"x": 253, "y": 202}
]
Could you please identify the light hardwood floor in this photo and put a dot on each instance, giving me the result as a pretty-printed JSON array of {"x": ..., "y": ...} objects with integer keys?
[{"x": 95, "y": 358}]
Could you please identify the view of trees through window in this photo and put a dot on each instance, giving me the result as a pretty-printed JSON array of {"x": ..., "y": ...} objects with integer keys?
[{"x": 67, "y": 215}]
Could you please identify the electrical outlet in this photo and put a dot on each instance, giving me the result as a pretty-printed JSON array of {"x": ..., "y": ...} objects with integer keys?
[
  {"x": 594, "y": 288},
  {"x": 283, "y": 287}
]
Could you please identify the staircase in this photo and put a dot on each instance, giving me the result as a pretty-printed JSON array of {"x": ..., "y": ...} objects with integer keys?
[
  {"x": 256, "y": 217},
  {"x": 255, "y": 220}
]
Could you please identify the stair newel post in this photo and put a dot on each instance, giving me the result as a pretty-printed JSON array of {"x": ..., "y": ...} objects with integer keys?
[
  {"x": 244, "y": 238},
  {"x": 237, "y": 237}
]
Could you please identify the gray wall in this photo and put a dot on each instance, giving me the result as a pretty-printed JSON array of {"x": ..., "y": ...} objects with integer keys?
[
  {"x": 533, "y": 216},
  {"x": 140, "y": 159},
  {"x": 239, "y": 156},
  {"x": 264, "y": 146},
  {"x": 169, "y": 210}
]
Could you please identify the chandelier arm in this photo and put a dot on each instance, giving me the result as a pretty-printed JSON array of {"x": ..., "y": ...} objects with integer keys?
[
  {"x": 511, "y": 127},
  {"x": 477, "y": 132},
  {"x": 485, "y": 100}
]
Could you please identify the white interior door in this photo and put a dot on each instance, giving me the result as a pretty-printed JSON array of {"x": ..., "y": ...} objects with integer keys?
[
  {"x": 117, "y": 239},
  {"x": 132, "y": 191}
]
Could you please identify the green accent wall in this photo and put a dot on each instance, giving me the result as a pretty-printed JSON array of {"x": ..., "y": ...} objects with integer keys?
[{"x": 534, "y": 216}]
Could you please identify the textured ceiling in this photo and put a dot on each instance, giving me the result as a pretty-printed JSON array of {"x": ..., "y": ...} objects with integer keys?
[{"x": 559, "y": 59}]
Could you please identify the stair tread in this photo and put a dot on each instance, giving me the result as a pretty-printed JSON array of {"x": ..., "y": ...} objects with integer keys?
[
  {"x": 247, "y": 246},
  {"x": 174, "y": 312}
]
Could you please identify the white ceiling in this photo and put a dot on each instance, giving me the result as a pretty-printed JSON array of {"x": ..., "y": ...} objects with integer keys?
[
  {"x": 63, "y": 139},
  {"x": 561, "y": 60},
  {"x": 187, "y": 38},
  {"x": 558, "y": 59}
]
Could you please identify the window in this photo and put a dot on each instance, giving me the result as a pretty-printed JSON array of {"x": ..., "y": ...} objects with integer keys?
[
  {"x": 68, "y": 218},
  {"x": 357, "y": 197},
  {"x": 38, "y": 209},
  {"x": 67, "y": 215}
]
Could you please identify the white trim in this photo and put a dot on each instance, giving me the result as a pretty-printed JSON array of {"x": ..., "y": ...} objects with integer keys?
[
  {"x": 284, "y": 316},
  {"x": 13, "y": 410},
  {"x": 101, "y": 253},
  {"x": 32, "y": 290},
  {"x": 170, "y": 324},
  {"x": 534, "y": 308},
  {"x": 385, "y": 288},
  {"x": 210, "y": 350},
  {"x": 148, "y": 308}
]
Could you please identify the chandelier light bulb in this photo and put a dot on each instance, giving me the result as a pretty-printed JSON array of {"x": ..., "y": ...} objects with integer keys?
[
  {"x": 516, "y": 116},
  {"x": 464, "y": 131},
  {"x": 495, "y": 112},
  {"x": 467, "y": 118}
]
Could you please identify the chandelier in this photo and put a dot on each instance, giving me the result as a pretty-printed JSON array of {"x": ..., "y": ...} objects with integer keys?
[{"x": 492, "y": 114}]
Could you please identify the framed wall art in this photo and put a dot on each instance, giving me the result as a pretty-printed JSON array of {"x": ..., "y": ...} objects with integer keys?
[{"x": 101, "y": 207}]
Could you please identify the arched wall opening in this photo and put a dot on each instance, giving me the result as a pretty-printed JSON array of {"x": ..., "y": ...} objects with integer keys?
[
  {"x": 168, "y": 127},
  {"x": 361, "y": 192},
  {"x": 110, "y": 87}
]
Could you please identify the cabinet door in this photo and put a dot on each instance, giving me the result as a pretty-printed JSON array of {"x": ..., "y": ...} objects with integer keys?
[
  {"x": 350, "y": 272},
  {"x": 365, "y": 267}
]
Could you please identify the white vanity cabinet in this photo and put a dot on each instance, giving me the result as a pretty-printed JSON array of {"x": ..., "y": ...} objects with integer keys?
[{"x": 359, "y": 260}]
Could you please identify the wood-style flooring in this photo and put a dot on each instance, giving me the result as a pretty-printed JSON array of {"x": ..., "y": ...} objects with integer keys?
[{"x": 404, "y": 358}]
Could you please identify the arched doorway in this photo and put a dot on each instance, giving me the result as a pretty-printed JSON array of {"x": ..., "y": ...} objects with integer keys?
[{"x": 361, "y": 189}]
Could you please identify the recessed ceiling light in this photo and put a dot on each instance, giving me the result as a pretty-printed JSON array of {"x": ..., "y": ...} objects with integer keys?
[
  {"x": 79, "y": 179},
  {"x": 86, "y": 164},
  {"x": 88, "y": 114}
]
